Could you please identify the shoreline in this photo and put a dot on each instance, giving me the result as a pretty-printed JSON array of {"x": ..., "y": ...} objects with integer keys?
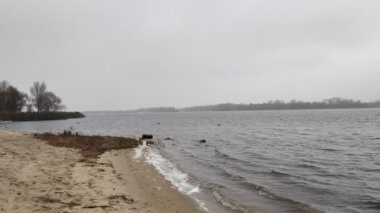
[
  {"x": 39, "y": 177},
  {"x": 39, "y": 116}
]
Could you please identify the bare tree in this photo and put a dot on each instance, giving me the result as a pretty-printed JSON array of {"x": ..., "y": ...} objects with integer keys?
[
  {"x": 51, "y": 102},
  {"x": 44, "y": 100},
  {"x": 3, "y": 95},
  {"x": 28, "y": 103},
  {"x": 38, "y": 91},
  {"x": 4, "y": 86}
]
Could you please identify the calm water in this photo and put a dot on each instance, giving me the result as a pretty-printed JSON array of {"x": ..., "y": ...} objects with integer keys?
[{"x": 271, "y": 161}]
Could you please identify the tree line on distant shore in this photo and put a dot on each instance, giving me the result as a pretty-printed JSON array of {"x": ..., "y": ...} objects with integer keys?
[
  {"x": 157, "y": 109},
  {"x": 41, "y": 104},
  {"x": 332, "y": 103}
]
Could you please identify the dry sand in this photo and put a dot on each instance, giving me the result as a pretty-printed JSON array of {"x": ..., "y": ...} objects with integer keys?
[{"x": 36, "y": 177}]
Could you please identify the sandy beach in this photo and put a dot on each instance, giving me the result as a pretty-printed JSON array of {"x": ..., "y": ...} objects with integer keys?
[{"x": 37, "y": 177}]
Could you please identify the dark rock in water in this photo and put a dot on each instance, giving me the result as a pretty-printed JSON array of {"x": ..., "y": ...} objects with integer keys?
[
  {"x": 168, "y": 139},
  {"x": 202, "y": 141},
  {"x": 146, "y": 136},
  {"x": 158, "y": 123}
]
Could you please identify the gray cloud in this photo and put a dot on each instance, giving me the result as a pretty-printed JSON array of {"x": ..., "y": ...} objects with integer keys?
[{"x": 127, "y": 54}]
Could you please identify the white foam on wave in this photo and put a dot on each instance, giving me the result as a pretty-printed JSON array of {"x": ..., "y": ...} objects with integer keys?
[
  {"x": 226, "y": 202},
  {"x": 179, "y": 179},
  {"x": 139, "y": 151},
  {"x": 170, "y": 172}
]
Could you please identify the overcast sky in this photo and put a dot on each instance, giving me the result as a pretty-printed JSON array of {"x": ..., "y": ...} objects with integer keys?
[{"x": 126, "y": 54}]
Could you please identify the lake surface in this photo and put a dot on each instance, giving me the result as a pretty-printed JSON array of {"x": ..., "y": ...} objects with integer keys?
[{"x": 270, "y": 161}]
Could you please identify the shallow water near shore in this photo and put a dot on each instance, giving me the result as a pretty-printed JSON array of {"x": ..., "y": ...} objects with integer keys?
[{"x": 269, "y": 161}]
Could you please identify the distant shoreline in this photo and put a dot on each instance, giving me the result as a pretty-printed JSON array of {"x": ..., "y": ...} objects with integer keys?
[
  {"x": 236, "y": 110},
  {"x": 39, "y": 116},
  {"x": 332, "y": 103}
]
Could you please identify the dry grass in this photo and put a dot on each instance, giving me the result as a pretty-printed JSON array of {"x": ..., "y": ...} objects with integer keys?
[{"x": 89, "y": 146}]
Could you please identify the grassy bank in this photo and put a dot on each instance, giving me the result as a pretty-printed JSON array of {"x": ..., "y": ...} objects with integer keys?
[
  {"x": 39, "y": 116},
  {"x": 89, "y": 146}
]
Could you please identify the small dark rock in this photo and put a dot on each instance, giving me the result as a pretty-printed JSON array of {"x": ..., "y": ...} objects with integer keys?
[
  {"x": 202, "y": 141},
  {"x": 168, "y": 139},
  {"x": 146, "y": 136}
]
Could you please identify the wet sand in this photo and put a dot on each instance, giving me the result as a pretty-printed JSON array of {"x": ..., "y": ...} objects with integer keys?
[{"x": 37, "y": 177}]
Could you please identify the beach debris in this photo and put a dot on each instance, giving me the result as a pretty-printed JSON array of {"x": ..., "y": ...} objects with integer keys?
[
  {"x": 202, "y": 141},
  {"x": 105, "y": 205},
  {"x": 122, "y": 197},
  {"x": 47, "y": 199},
  {"x": 69, "y": 132}
]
